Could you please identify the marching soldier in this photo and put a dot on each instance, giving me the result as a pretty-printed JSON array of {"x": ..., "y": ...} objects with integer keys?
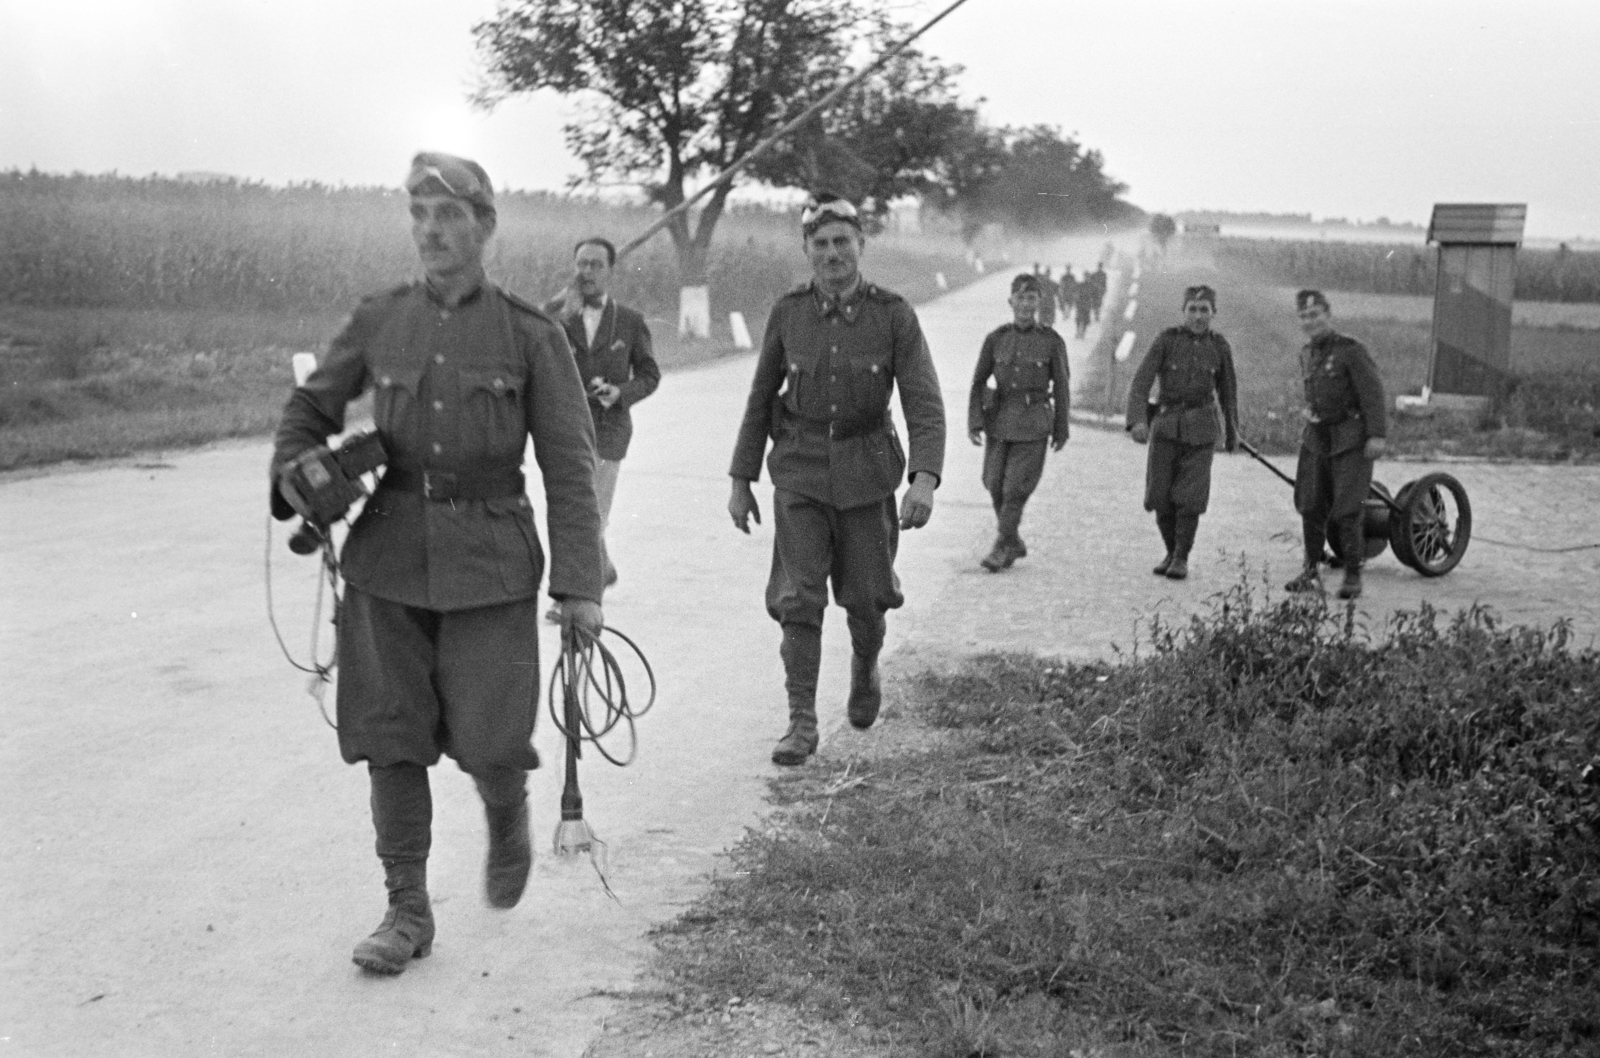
[
  {"x": 1014, "y": 421},
  {"x": 833, "y": 353},
  {"x": 1194, "y": 365},
  {"x": 1345, "y": 431},
  {"x": 1048, "y": 292},
  {"x": 438, "y": 630}
]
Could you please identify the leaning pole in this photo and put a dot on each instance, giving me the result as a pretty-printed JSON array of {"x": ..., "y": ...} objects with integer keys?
[{"x": 694, "y": 303}]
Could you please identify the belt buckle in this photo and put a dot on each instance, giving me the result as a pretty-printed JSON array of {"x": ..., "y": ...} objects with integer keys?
[{"x": 437, "y": 485}]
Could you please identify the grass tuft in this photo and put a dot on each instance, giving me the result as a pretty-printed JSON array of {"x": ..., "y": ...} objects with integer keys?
[{"x": 1268, "y": 832}]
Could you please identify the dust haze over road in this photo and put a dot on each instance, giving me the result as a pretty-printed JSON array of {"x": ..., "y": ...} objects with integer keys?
[{"x": 188, "y": 862}]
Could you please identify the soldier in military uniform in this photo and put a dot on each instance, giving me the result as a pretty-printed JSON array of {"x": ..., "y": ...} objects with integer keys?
[
  {"x": 1345, "y": 431},
  {"x": 833, "y": 353},
  {"x": 1026, "y": 409},
  {"x": 615, "y": 360},
  {"x": 438, "y": 631},
  {"x": 1194, "y": 365}
]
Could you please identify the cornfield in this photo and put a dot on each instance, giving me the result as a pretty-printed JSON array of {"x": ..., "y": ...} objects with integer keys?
[
  {"x": 1377, "y": 268},
  {"x": 117, "y": 242}
]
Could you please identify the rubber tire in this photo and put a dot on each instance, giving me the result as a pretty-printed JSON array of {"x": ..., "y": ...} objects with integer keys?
[{"x": 1415, "y": 518}]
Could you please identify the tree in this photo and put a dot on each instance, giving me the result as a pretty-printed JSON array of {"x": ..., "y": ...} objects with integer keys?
[
  {"x": 671, "y": 90},
  {"x": 1030, "y": 179},
  {"x": 1162, "y": 228}
]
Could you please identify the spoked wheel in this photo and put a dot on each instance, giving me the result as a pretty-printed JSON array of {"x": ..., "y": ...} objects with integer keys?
[{"x": 1431, "y": 530}]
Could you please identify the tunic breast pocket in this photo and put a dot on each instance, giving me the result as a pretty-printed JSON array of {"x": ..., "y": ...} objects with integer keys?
[
  {"x": 394, "y": 401},
  {"x": 493, "y": 423},
  {"x": 1031, "y": 374}
]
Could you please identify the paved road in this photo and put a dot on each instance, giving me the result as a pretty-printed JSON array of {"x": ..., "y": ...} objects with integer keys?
[{"x": 188, "y": 864}]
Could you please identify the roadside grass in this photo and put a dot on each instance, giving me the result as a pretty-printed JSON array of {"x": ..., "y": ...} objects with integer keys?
[
  {"x": 1552, "y": 412},
  {"x": 1266, "y": 832}
]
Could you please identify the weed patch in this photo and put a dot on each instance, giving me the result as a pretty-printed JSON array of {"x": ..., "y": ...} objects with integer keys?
[{"x": 1268, "y": 833}]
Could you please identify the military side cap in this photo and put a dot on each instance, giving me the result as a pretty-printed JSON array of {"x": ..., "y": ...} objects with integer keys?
[
  {"x": 1307, "y": 298},
  {"x": 1200, "y": 292},
  {"x": 437, "y": 173},
  {"x": 1025, "y": 281}
]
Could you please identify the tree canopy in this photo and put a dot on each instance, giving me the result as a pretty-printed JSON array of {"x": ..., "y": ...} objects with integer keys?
[{"x": 672, "y": 90}]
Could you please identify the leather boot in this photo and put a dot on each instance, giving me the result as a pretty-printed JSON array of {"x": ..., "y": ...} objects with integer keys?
[
  {"x": 802, "y": 660},
  {"x": 1010, "y": 521},
  {"x": 866, "y": 692},
  {"x": 998, "y": 558},
  {"x": 505, "y": 872},
  {"x": 1354, "y": 541},
  {"x": 1183, "y": 530},
  {"x": 1166, "y": 523},
  {"x": 406, "y": 932}
]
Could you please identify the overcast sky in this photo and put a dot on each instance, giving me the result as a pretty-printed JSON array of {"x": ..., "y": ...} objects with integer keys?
[{"x": 1355, "y": 108}]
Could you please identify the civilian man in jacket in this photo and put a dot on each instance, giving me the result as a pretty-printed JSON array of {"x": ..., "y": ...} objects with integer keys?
[
  {"x": 612, "y": 346},
  {"x": 438, "y": 633},
  {"x": 833, "y": 353}
]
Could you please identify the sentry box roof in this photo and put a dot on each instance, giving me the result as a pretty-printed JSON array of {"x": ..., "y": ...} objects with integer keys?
[{"x": 1481, "y": 224}]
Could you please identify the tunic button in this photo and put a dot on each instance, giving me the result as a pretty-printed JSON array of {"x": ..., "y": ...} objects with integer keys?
[
  {"x": 833, "y": 407},
  {"x": 437, "y": 448},
  {"x": 499, "y": 383},
  {"x": 444, "y": 314},
  {"x": 385, "y": 380},
  {"x": 836, "y": 348},
  {"x": 833, "y": 378},
  {"x": 874, "y": 369},
  {"x": 438, "y": 358},
  {"x": 438, "y": 405}
]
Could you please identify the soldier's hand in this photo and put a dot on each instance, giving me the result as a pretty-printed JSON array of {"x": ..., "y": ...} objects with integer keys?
[
  {"x": 1376, "y": 448},
  {"x": 1059, "y": 443},
  {"x": 975, "y": 436},
  {"x": 583, "y": 614},
  {"x": 917, "y": 505},
  {"x": 742, "y": 505},
  {"x": 1140, "y": 432}
]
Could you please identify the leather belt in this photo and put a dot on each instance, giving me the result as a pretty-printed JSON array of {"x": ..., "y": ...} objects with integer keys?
[
  {"x": 839, "y": 429},
  {"x": 1185, "y": 405},
  {"x": 443, "y": 485}
]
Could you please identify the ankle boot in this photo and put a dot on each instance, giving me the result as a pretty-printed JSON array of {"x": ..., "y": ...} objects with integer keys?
[
  {"x": 505, "y": 872},
  {"x": 1350, "y": 587},
  {"x": 802, "y": 660},
  {"x": 998, "y": 558},
  {"x": 866, "y": 691},
  {"x": 1165, "y": 524},
  {"x": 1183, "y": 530},
  {"x": 406, "y": 932}
]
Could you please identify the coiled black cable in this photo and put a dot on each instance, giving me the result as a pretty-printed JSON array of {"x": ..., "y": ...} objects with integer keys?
[{"x": 591, "y": 670}]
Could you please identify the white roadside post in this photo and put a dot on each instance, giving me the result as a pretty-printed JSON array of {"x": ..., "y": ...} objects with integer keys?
[
  {"x": 694, "y": 312},
  {"x": 741, "y": 332}
]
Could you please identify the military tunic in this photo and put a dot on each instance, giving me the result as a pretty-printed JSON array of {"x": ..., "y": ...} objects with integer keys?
[
  {"x": 1196, "y": 373},
  {"x": 1026, "y": 410},
  {"x": 823, "y": 380},
  {"x": 438, "y": 641},
  {"x": 1344, "y": 407}
]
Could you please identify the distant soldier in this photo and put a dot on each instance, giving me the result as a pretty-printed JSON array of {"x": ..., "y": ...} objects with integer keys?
[
  {"x": 1098, "y": 281},
  {"x": 1048, "y": 292},
  {"x": 834, "y": 351},
  {"x": 1013, "y": 421},
  {"x": 1067, "y": 291},
  {"x": 1083, "y": 307},
  {"x": 611, "y": 343},
  {"x": 1346, "y": 426},
  {"x": 1194, "y": 365}
]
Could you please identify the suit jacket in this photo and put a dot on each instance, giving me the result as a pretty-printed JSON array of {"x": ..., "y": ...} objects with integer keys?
[
  {"x": 458, "y": 390},
  {"x": 621, "y": 353}
]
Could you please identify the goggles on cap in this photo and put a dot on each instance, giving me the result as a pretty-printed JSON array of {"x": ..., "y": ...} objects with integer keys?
[
  {"x": 814, "y": 213},
  {"x": 435, "y": 173}
]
